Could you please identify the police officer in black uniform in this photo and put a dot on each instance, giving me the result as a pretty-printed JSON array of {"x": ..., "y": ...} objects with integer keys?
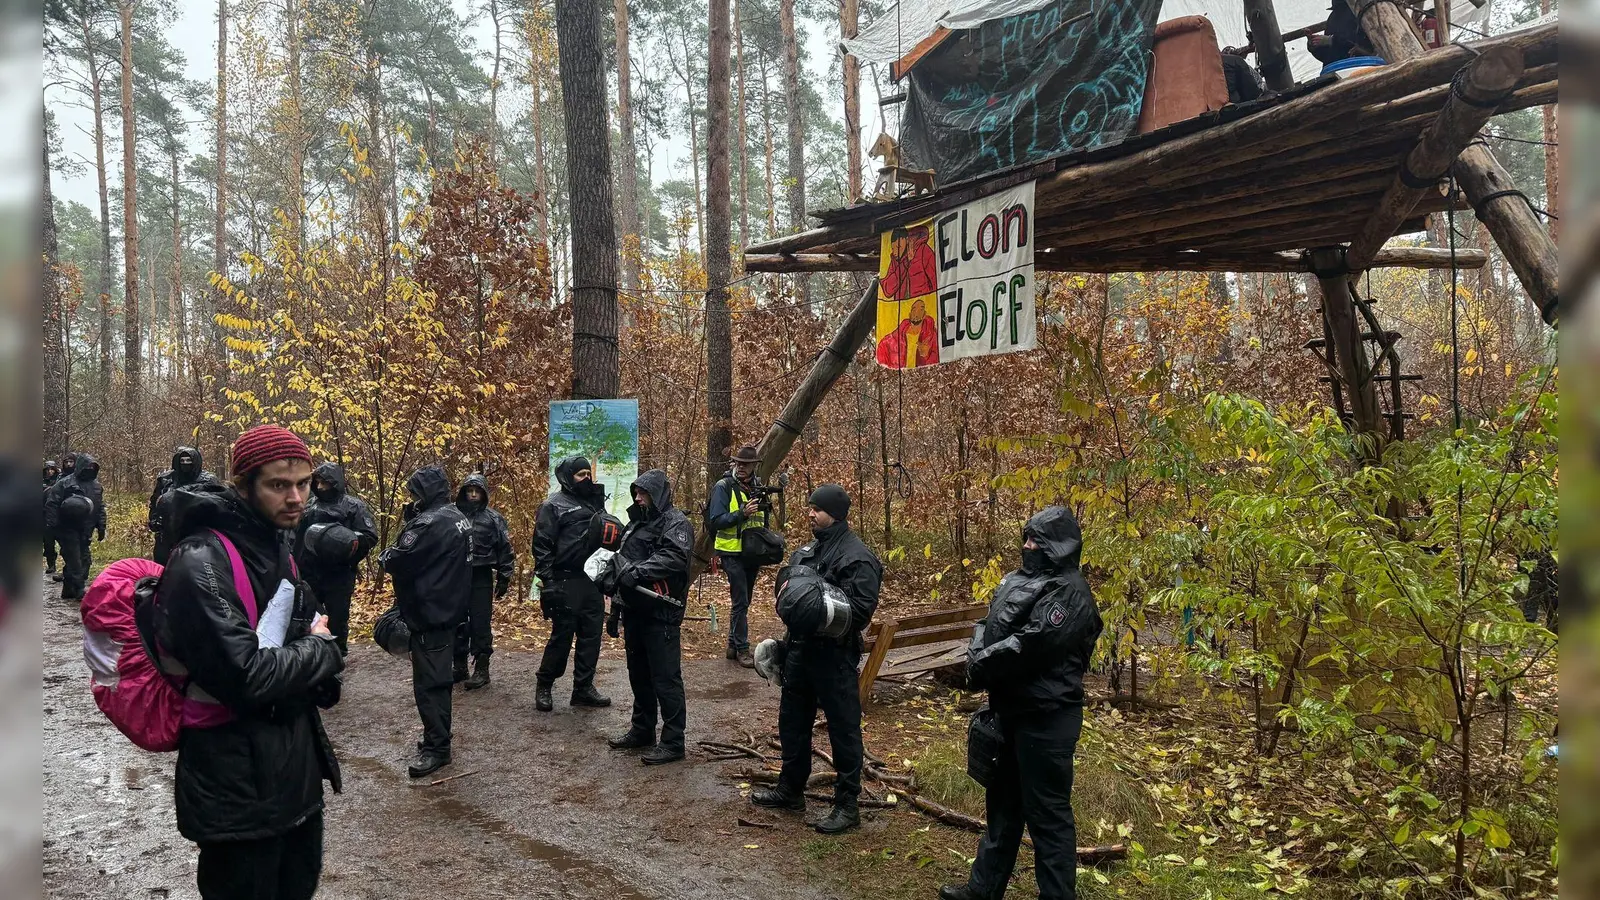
[
  {"x": 331, "y": 566},
  {"x": 655, "y": 554},
  {"x": 187, "y": 468},
  {"x": 1030, "y": 653},
  {"x": 75, "y": 508},
  {"x": 821, "y": 671},
  {"x": 429, "y": 563},
  {"x": 562, "y": 540},
  {"x": 493, "y": 562},
  {"x": 52, "y": 474}
]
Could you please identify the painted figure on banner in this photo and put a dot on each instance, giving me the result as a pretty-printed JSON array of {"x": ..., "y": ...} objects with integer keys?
[{"x": 912, "y": 345}]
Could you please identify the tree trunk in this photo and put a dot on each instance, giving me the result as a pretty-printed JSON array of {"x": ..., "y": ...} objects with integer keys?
[
  {"x": 694, "y": 147},
  {"x": 883, "y": 470},
  {"x": 55, "y": 416},
  {"x": 297, "y": 136},
  {"x": 103, "y": 289},
  {"x": 766, "y": 130},
  {"x": 536, "y": 82},
  {"x": 1552, "y": 160},
  {"x": 176, "y": 317},
  {"x": 719, "y": 241},
  {"x": 132, "y": 367},
  {"x": 219, "y": 239},
  {"x": 596, "y": 371},
  {"x": 494, "y": 83},
  {"x": 797, "y": 133},
  {"x": 849, "y": 19},
  {"x": 628, "y": 165},
  {"x": 744, "y": 133}
]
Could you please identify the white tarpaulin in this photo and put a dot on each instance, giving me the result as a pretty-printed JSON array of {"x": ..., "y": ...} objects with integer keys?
[{"x": 904, "y": 25}]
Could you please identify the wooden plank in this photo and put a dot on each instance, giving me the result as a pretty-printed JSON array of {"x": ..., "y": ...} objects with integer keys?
[
  {"x": 932, "y": 636},
  {"x": 936, "y": 658},
  {"x": 880, "y": 649},
  {"x": 899, "y": 68},
  {"x": 966, "y": 614}
]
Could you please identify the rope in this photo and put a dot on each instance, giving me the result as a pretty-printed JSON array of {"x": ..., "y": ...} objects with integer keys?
[
  {"x": 1455, "y": 389},
  {"x": 1486, "y": 199}
]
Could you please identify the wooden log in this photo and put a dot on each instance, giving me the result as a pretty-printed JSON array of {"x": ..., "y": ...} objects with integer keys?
[
  {"x": 1502, "y": 209},
  {"x": 1344, "y": 330},
  {"x": 1191, "y": 261},
  {"x": 1267, "y": 39},
  {"x": 809, "y": 262},
  {"x": 1475, "y": 93}
]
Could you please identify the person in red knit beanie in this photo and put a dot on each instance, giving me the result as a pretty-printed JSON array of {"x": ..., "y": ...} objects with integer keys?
[{"x": 231, "y": 610}]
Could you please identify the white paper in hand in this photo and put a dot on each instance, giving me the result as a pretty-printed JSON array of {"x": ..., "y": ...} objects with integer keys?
[
  {"x": 598, "y": 563},
  {"x": 273, "y": 626}
]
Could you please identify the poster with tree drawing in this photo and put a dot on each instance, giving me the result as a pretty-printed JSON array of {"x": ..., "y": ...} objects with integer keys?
[{"x": 607, "y": 433}]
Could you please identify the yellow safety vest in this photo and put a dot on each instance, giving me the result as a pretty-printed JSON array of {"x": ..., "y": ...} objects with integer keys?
[{"x": 728, "y": 538}]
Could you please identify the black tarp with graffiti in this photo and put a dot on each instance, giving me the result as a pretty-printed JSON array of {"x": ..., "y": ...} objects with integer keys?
[{"x": 1069, "y": 76}]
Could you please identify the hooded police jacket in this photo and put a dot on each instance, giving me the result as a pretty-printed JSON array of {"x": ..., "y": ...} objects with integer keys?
[
  {"x": 656, "y": 548},
  {"x": 429, "y": 560},
  {"x": 180, "y": 475},
  {"x": 840, "y": 557},
  {"x": 338, "y": 507},
  {"x": 491, "y": 537},
  {"x": 84, "y": 481},
  {"x": 561, "y": 531},
  {"x": 1034, "y": 646},
  {"x": 260, "y": 774}
]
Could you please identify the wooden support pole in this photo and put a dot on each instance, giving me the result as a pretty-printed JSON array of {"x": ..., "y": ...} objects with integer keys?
[
  {"x": 1183, "y": 261},
  {"x": 1503, "y": 209},
  {"x": 1267, "y": 38},
  {"x": 1475, "y": 93},
  {"x": 1343, "y": 327}
]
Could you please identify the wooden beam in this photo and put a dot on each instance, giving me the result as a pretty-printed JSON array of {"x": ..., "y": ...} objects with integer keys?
[
  {"x": 1350, "y": 354},
  {"x": 1267, "y": 38},
  {"x": 1502, "y": 209},
  {"x": 1475, "y": 94},
  {"x": 1181, "y": 261},
  {"x": 809, "y": 262}
]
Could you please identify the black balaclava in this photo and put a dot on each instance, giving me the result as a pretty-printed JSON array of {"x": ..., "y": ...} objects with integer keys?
[{"x": 1035, "y": 561}]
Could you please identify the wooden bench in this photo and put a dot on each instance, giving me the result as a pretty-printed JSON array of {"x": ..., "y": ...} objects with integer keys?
[{"x": 915, "y": 631}]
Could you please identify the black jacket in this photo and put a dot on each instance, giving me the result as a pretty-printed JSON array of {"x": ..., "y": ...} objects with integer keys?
[
  {"x": 84, "y": 480},
  {"x": 178, "y": 476},
  {"x": 561, "y": 531},
  {"x": 50, "y": 479},
  {"x": 260, "y": 774},
  {"x": 718, "y": 518},
  {"x": 1032, "y": 649},
  {"x": 843, "y": 561},
  {"x": 491, "y": 537},
  {"x": 429, "y": 560},
  {"x": 340, "y": 508},
  {"x": 656, "y": 548}
]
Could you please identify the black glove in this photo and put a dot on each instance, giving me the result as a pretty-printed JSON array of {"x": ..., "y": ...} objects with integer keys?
[
  {"x": 551, "y": 599},
  {"x": 613, "y": 620},
  {"x": 502, "y": 587},
  {"x": 326, "y": 694},
  {"x": 627, "y": 575},
  {"x": 100, "y": 534}
]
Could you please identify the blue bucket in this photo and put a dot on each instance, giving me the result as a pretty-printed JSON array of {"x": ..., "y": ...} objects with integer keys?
[{"x": 1353, "y": 62}]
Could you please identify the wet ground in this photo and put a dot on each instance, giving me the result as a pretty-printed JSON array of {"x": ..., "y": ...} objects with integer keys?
[{"x": 547, "y": 811}]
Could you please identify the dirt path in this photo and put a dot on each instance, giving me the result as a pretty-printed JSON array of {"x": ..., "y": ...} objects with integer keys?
[{"x": 549, "y": 812}]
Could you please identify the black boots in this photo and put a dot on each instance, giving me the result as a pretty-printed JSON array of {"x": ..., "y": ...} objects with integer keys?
[
  {"x": 959, "y": 892},
  {"x": 480, "y": 673},
  {"x": 661, "y": 755},
  {"x": 841, "y": 819},
  {"x": 631, "y": 740},
  {"x": 742, "y": 657},
  {"x": 427, "y": 762},
  {"x": 458, "y": 672},
  {"x": 777, "y": 798},
  {"x": 541, "y": 698},
  {"x": 588, "y": 696}
]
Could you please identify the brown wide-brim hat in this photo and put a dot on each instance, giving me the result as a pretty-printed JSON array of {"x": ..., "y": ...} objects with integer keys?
[{"x": 747, "y": 454}]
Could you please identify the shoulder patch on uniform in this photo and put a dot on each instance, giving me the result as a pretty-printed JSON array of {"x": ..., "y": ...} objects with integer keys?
[
  {"x": 1057, "y": 615},
  {"x": 407, "y": 539}
]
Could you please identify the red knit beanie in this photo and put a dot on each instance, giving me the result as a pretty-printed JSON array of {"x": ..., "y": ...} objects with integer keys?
[{"x": 266, "y": 443}]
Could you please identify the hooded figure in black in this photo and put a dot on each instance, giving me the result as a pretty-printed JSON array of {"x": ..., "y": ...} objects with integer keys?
[
  {"x": 1030, "y": 653},
  {"x": 562, "y": 541},
  {"x": 186, "y": 470},
  {"x": 655, "y": 554},
  {"x": 75, "y": 508},
  {"x": 332, "y": 568},
  {"x": 248, "y": 785},
  {"x": 820, "y": 671},
  {"x": 493, "y": 563},
  {"x": 52, "y": 474},
  {"x": 430, "y": 564}
]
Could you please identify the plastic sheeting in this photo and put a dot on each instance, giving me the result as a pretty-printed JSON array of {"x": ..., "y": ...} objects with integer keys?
[{"x": 904, "y": 25}]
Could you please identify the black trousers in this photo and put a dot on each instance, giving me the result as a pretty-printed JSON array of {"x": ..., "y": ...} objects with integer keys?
[
  {"x": 821, "y": 674},
  {"x": 285, "y": 867},
  {"x": 1033, "y": 787},
  {"x": 475, "y": 634},
  {"x": 741, "y": 585},
  {"x": 577, "y": 616},
  {"x": 50, "y": 548},
  {"x": 431, "y": 682},
  {"x": 655, "y": 672},
  {"x": 75, "y": 562},
  {"x": 334, "y": 590}
]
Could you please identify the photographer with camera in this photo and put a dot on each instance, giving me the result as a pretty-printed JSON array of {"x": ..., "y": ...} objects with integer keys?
[{"x": 731, "y": 513}]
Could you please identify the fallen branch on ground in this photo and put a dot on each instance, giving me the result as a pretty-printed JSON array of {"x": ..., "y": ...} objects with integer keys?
[{"x": 451, "y": 778}]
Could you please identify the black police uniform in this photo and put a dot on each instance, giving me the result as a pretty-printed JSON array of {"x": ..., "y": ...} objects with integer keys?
[
  {"x": 493, "y": 562},
  {"x": 655, "y": 554},
  {"x": 821, "y": 672},
  {"x": 71, "y": 531},
  {"x": 334, "y": 580},
  {"x": 429, "y": 563},
  {"x": 572, "y": 603},
  {"x": 188, "y": 467},
  {"x": 1030, "y": 653},
  {"x": 52, "y": 474}
]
